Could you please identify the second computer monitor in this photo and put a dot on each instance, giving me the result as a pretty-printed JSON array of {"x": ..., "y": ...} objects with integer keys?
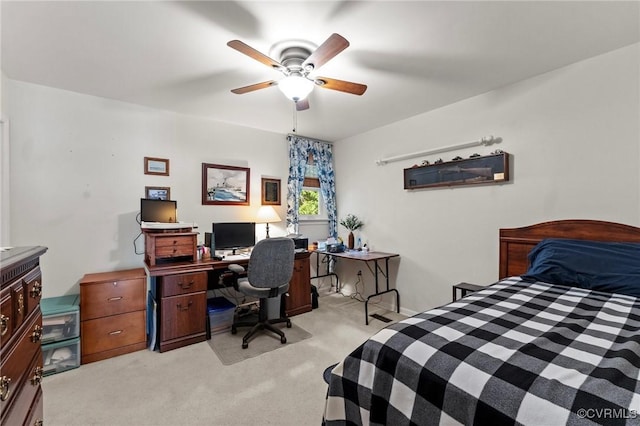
[{"x": 233, "y": 235}]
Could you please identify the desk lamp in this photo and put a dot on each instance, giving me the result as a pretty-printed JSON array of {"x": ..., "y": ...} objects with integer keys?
[{"x": 267, "y": 214}]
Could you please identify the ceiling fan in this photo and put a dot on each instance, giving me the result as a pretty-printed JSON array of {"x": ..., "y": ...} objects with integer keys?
[{"x": 297, "y": 61}]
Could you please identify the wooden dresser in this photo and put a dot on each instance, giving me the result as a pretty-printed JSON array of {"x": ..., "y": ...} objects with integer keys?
[
  {"x": 21, "y": 370},
  {"x": 112, "y": 314}
]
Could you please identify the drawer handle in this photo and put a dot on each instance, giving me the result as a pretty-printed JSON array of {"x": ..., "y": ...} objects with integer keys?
[
  {"x": 37, "y": 376},
  {"x": 4, "y": 324},
  {"x": 114, "y": 299},
  {"x": 36, "y": 291},
  {"x": 20, "y": 304},
  {"x": 186, "y": 286},
  {"x": 36, "y": 335},
  {"x": 113, "y": 333},
  {"x": 186, "y": 308},
  {"x": 4, "y": 388}
]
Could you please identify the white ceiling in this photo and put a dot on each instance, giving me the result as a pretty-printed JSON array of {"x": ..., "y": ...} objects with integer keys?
[{"x": 414, "y": 56}]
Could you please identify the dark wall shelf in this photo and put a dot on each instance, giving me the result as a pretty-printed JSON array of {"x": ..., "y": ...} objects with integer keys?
[{"x": 486, "y": 169}]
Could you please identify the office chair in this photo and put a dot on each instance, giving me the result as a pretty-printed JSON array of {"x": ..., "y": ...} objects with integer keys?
[{"x": 268, "y": 274}]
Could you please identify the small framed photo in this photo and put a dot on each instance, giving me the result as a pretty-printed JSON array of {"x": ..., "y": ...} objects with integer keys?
[
  {"x": 156, "y": 166},
  {"x": 157, "y": 192},
  {"x": 225, "y": 185},
  {"x": 270, "y": 192}
]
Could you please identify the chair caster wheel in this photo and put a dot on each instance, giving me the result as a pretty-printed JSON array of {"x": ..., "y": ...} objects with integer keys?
[
  {"x": 245, "y": 345},
  {"x": 283, "y": 339},
  {"x": 288, "y": 324}
]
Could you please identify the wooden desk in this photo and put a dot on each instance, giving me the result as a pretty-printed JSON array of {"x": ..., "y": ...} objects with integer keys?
[
  {"x": 366, "y": 257},
  {"x": 180, "y": 292}
]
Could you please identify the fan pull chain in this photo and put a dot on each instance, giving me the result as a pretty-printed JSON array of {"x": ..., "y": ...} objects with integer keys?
[{"x": 295, "y": 118}]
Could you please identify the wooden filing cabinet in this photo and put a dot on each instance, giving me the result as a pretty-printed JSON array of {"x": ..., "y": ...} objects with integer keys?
[
  {"x": 183, "y": 309},
  {"x": 169, "y": 246},
  {"x": 112, "y": 314},
  {"x": 299, "y": 300},
  {"x": 20, "y": 334}
]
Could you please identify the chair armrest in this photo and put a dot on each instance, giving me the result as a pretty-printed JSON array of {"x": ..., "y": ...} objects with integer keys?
[
  {"x": 238, "y": 273},
  {"x": 236, "y": 269}
]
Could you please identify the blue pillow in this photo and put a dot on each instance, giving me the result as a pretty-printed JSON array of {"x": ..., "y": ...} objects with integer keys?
[{"x": 602, "y": 266}]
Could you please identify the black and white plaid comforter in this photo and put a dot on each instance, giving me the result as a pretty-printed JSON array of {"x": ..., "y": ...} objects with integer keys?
[{"x": 514, "y": 353}]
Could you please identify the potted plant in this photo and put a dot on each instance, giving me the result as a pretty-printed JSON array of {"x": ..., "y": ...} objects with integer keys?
[{"x": 351, "y": 222}]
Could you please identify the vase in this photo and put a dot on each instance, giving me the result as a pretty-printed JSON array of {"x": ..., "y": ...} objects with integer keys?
[{"x": 350, "y": 242}]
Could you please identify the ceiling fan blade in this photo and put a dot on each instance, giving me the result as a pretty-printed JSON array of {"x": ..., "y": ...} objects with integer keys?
[
  {"x": 257, "y": 86},
  {"x": 302, "y": 104},
  {"x": 341, "y": 85},
  {"x": 253, "y": 53},
  {"x": 327, "y": 50}
]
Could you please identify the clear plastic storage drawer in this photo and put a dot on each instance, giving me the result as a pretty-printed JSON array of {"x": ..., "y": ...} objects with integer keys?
[
  {"x": 60, "y": 318},
  {"x": 61, "y": 356}
]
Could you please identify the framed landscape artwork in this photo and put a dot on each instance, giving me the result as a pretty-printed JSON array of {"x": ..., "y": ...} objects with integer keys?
[
  {"x": 156, "y": 166},
  {"x": 225, "y": 185}
]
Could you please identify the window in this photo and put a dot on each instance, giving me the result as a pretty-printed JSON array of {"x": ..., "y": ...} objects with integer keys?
[{"x": 311, "y": 202}]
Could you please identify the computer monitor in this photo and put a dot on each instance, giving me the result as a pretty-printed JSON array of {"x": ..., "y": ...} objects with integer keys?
[
  {"x": 233, "y": 235},
  {"x": 153, "y": 210}
]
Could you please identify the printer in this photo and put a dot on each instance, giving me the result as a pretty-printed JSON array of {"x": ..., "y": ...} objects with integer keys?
[{"x": 300, "y": 242}]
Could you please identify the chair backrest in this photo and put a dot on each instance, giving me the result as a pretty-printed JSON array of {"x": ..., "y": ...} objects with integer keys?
[{"x": 271, "y": 262}]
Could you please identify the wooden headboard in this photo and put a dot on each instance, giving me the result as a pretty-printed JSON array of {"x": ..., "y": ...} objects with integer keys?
[{"x": 515, "y": 243}]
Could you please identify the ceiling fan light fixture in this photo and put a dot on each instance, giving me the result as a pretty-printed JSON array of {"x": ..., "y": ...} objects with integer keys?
[{"x": 295, "y": 87}]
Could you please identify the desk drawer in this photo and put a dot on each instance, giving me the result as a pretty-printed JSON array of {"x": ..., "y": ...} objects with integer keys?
[
  {"x": 174, "y": 251},
  {"x": 104, "y": 334},
  {"x": 174, "y": 285},
  {"x": 173, "y": 241},
  {"x": 183, "y": 315},
  {"x": 112, "y": 297}
]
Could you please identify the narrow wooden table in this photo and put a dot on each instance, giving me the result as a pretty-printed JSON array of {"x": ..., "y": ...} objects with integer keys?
[{"x": 366, "y": 257}]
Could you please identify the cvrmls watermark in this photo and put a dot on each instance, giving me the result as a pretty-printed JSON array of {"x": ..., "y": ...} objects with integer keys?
[{"x": 607, "y": 413}]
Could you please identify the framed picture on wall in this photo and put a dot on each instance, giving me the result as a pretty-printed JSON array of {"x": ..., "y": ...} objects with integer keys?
[
  {"x": 225, "y": 185},
  {"x": 270, "y": 192},
  {"x": 156, "y": 166},
  {"x": 157, "y": 192}
]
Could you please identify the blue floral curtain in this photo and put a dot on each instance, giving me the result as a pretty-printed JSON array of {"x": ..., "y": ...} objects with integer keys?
[{"x": 299, "y": 150}]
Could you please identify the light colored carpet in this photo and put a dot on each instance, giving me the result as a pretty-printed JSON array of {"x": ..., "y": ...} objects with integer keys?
[
  {"x": 191, "y": 386},
  {"x": 228, "y": 346}
]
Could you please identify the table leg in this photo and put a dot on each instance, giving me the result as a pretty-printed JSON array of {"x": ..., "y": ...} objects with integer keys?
[{"x": 378, "y": 293}]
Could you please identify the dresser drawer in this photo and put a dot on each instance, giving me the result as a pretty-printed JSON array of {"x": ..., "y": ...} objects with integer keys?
[
  {"x": 183, "y": 315},
  {"x": 173, "y": 285},
  {"x": 112, "y": 297},
  {"x": 7, "y": 317},
  {"x": 15, "y": 361},
  {"x": 103, "y": 334},
  {"x": 32, "y": 284},
  {"x": 28, "y": 399}
]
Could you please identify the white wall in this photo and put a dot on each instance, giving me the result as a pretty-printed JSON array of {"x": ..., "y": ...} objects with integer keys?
[
  {"x": 77, "y": 176},
  {"x": 574, "y": 137}
]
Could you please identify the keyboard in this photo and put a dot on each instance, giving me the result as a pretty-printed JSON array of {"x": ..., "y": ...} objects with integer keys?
[{"x": 233, "y": 257}]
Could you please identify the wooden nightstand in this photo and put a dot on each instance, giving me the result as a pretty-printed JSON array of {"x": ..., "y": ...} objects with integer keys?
[{"x": 465, "y": 288}]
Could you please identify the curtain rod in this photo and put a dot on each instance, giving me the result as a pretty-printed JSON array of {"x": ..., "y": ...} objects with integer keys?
[
  {"x": 487, "y": 140},
  {"x": 290, "y": 135}
]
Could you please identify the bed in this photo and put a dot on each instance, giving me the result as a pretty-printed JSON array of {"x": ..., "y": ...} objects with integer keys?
[{"x": 522, "y": 351}]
